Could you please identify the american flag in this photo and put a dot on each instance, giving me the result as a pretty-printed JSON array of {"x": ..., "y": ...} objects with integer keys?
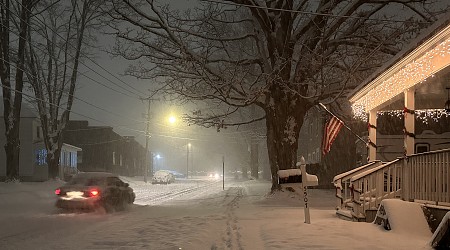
[{"x": 332, "y": 129}]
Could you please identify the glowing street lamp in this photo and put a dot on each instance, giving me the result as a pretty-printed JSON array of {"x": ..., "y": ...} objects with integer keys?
[{"x": 172, "y": 119}]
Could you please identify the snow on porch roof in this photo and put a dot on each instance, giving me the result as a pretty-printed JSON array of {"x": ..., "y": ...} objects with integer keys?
[{"x": 427, "y": 40}]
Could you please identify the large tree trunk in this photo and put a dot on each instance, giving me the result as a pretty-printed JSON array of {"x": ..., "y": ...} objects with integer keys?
[
  {"x": 283, "y": 124},
  {"x": 12, "y": 103},
  {"x": 12, "y": 149}
]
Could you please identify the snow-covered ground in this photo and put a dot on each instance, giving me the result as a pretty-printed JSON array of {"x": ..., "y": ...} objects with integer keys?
[{"x": 205, "y": 217}]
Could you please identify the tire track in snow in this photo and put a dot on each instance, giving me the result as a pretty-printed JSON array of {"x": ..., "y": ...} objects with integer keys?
[
  {"x": 232, "y": 239},
  {"x": 159, "y": 198}
]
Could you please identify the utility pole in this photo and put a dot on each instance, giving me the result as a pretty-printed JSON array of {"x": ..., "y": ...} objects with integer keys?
[
  {"x": 223, "y": 172},
  {"x": 187, "y": 160},
  {"x": 146, "y": 142},
  {"x": 147, "y": 136}
]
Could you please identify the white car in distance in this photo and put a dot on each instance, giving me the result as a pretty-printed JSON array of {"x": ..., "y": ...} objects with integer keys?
[{"x": 163, "y": 177}]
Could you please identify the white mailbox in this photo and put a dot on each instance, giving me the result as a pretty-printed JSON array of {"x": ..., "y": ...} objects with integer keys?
[{"x": 293, "y": 178}]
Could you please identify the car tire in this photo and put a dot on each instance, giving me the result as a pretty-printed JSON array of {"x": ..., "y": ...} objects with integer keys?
[
  {"x": 130, "y": 199},
  {"x": 108, "y": 205},
  {"x": 122, "y": 204}
]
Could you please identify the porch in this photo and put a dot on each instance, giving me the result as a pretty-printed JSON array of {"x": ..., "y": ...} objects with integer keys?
[
  {"x": 413, "y": 86},
  {"x": 422, "y": 178}
]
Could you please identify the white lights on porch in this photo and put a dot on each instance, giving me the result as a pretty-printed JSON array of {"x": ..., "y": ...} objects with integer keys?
[
  {"x": 411, "y": 74},
  {"x": 424, "y": 115}
]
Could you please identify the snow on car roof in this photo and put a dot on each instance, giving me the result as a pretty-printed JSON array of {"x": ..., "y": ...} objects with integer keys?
[
  {"x": 95, "y": 174},
  {"x": 162, "y": 172}
]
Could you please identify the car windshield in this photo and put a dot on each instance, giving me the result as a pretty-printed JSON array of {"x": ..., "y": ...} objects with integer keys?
[
  {"x": 161, "y": 173},
  {"x": 83, "y": 181}
]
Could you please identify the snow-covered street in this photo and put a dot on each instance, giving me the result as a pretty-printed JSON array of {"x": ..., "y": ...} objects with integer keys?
[{"x": 188, "y": 214}]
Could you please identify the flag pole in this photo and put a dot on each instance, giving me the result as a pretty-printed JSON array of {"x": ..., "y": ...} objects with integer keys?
[{"x": 345, "y": 125}]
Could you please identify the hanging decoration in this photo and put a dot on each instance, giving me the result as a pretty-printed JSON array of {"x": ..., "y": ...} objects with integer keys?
[
  {"x": 424, "y": 115},
  {"x": 417, "y": 71}
]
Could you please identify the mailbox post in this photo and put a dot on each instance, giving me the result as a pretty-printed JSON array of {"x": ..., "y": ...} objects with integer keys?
[
  {"x": 300, "y": 179},
  {"x": 305, "y": 190}
]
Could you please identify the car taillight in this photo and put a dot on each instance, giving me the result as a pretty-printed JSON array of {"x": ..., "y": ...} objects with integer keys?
[
  {"x": 93, "y": 192},
  {"x": 58, "y": 191}
]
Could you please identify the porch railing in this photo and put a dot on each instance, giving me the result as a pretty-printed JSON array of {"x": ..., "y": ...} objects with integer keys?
[
  {"x": 428, "y": 176},
  {"x": 342, "y": 184},
  {"x": 423, "y": 177},
  {"x": 372, "y": 186}
]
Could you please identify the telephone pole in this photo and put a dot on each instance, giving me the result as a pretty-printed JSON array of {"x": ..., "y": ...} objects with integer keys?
[{"x": 147, "y": 137}]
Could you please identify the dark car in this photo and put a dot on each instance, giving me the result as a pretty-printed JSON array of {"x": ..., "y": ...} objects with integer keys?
[{"x": 94, "y": 190}]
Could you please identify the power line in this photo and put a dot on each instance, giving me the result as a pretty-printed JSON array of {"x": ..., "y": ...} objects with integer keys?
[
  {"x": 77, "y": 98},
  {"x": 118, "y": 85},
  {"x": 103, "y": 142},
  {"x": 52, "y": 104},
  {"x": 309, "y": 13},
  {"x": 124, "y": 127}
]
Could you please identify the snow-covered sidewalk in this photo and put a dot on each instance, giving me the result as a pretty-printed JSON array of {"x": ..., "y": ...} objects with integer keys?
[{"x": 241, "y": 217}]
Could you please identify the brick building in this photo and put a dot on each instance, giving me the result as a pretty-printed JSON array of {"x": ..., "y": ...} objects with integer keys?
[{"x": 104, "y": 149}]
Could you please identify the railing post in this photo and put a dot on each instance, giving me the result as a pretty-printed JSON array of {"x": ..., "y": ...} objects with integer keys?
[
  {"x": 339, "y": 196},
  {"x": 406, "y": 180},
  {"x": 357, "y": 190}
]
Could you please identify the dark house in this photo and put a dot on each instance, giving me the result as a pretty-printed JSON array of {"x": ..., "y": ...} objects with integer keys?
[
  {"x": 104, "y": 149},
  {"x": 342, "y": 156}
]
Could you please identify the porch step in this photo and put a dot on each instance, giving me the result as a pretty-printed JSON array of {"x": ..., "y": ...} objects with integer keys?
[
  {"x": 403, "y": 217},
  {"x": 344, "y": 214}
]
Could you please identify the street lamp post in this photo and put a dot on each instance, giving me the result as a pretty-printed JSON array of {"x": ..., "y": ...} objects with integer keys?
[
  {"x": 187, "y": 160},
  {"x": 158, "y": 163}
]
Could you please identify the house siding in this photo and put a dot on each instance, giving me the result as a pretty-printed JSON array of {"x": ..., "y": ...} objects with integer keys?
[
  {"x": 100, "y": 144},
  {"x": 28, "y": 145}
]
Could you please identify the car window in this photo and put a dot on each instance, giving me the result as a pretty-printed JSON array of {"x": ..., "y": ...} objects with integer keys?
[
  {"x": 77, "y": 181},
  {"x": 161, "y": 173},
  {"x": 86, "y": 181},
  {"x": 114, "y": 181},
  {"x": 95, "y": 182}
]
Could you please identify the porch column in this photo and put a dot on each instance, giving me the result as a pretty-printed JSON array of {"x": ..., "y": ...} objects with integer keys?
[
  {"x": 372, "y": 126},
  {"x": 409, "y": 127}
]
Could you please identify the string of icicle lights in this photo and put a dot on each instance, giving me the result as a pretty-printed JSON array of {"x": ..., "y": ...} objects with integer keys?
[
  {"x": 425, "y": 115},
  {"x": 413, "y": 73}
]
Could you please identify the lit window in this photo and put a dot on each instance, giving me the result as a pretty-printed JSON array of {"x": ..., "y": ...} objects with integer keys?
[
  {"x": 41, "y": 157},
  {"x": 114, "y": 158},
  {"x": 74, "y": 159}
]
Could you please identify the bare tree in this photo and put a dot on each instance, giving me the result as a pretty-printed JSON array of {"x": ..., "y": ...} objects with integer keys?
[
  {"x": 57, "y": 42},
  {"x": 284, "y": 56},
  {"x": 14, "y": 24}
]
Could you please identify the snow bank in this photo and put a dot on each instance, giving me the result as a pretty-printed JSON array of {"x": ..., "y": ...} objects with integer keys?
[{"x": 405, "y": 218}]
